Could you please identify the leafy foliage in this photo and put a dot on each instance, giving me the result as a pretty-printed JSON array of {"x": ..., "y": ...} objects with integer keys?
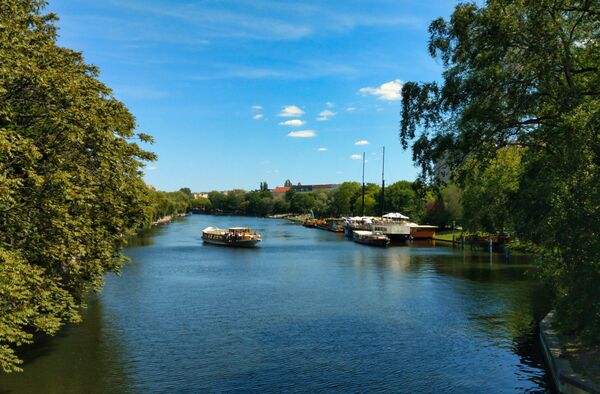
[
  {"x": 70, "y": 178},
  {"x": 489, "y": 193},
  {"x": 525, "y": 74},
  {"x": 344, "y": 200}
]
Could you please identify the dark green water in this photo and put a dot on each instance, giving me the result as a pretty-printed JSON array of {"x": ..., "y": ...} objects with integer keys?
[{"x": 306, "y": 311}]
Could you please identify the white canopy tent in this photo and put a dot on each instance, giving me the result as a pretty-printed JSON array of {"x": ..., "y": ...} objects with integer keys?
[{"x": 395, "y": 215}]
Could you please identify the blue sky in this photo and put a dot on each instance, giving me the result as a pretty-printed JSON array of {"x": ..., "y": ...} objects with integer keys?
[{"x": 236, "y": 92}]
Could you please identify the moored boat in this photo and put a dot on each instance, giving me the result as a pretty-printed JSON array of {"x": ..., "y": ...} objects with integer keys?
[
  {"x": 394, "y": 225},
  {"x": 422, "y": 231},
  {"x": 352, "y": 224},
  {"x": 312, "y": 223},
  {"x": 235, "y": 236},
  {"x": 372, "y": 238}
]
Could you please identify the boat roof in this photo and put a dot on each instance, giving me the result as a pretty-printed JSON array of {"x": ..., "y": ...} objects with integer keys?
[
  {"x": 395, "y": 215},
  {"x": 211, "y": 228},
  {"x": 238, "y": 228}
]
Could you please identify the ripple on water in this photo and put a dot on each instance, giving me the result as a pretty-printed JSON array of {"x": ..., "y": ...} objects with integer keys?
[{"x": 307, "y": 311}]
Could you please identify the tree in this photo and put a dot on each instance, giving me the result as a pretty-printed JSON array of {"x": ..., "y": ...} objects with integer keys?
[
  {"x": 488, "y": 195},
  {"x": 233, "y": 201},
  {"x": 287, "y": 183},
  {"x": 443, "y": 206},
  {"x": 187, "y": 191},
  {"x": 280, "y": 205},
  {"x": 201, "y": 204},
  {"x": 343, "y": 197},
  {"x": 258, "y": 203},
  {"x": 217, "y": 200},
  {"x": 524, "y": 74},
  {"x": 322, "y": 203},
  {"x": 71, "y": 189},
  {"x": 302, "y": 202},
  {"x": 401, "y": 197}
]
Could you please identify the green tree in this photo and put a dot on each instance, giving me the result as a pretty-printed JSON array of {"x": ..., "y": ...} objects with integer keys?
[
  {"x": 443, "y": 206},
  {"x": 187, "y": 191},
  {"x": 280, "y": 205},
  {"x": 488, "y": 195},
  {"x": 524, "y": 74},
  {"x": 343, "y": 197},
  {"x": 234, "y": 200},
  {"x": 322, "y": 203},
  {"x": 402, "y": 197},
  {"x": 258, "y": 203},
  {"x": 70, "y": 178},
  {"x": 201, "y": 204},
  {"x": 302, "y": 202},
  {"x": 287, "y": 183},
  {"x": 217, "y": 200}
]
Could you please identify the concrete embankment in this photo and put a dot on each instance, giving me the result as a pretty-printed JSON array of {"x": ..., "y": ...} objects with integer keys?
[{"x": 565, "y": 379}]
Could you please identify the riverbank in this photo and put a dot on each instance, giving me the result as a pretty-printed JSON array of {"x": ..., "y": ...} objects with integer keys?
[{"x": 561, "y": 362}]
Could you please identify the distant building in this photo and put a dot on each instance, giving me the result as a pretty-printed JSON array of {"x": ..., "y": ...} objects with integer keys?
[
  {"x": 200, "y": 195},
  {"x": 304, "y": 188}
]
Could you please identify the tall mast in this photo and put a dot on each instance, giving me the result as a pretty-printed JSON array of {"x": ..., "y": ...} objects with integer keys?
[
  {"x": 383, "y": 184},
  {"x": 363, "y": 188}
]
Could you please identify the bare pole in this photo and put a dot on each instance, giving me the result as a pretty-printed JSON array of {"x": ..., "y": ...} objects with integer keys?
[
  {"x": 363, "y": 187},
  {"x": 383, "y": 184}
]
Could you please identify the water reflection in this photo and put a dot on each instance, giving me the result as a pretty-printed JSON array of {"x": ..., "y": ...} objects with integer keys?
[
  {"x": 306, "y": 311},
  {"x": 81, "y": 358}
]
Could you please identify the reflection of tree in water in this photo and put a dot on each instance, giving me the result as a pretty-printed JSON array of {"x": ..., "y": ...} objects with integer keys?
[
  {"x": 144, "y": 237},
  {"x": 507, "y": 307},
  {"x": 81, "y": 358}
]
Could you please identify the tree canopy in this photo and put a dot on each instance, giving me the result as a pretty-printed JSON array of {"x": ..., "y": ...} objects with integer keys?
[
  {"x": 70, "y": 178},
  {"x": 524, "y": 74}
]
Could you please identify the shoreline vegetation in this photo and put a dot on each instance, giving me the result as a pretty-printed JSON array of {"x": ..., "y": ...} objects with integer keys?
[
  {"x": 507, "y": 142},
  {"x": 514, "y": 122}
]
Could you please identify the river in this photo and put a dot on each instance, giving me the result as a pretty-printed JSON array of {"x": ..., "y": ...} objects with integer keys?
[{"x": 306, "y": 311}]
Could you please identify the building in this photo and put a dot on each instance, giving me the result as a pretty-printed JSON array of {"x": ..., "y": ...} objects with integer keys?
[
  {"x": 281, "y": 189},
  {"x": 304, "y": 188}
]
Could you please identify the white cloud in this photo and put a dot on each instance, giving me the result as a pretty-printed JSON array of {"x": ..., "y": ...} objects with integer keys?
[
  {"x": 257, "y": 107},
  {"x": 291, "y": 111},
  {"x": 350, "y": 109},
  {"x": 361, "y": 142},
  {"x": 302, "y": 134},
  {"x": 151, "y": 168},
  {"x": 322, "y": 149},
  {"x": 389, "y": 91},
  {"x": 258, "y": 116},
  {"x": 329, "y": 104},
  {"x": 339, "y": 172},
  {"x": 356, "y": 157},
  {"x": 292, "y": 122},
  {"x": 326, "y": 115}
]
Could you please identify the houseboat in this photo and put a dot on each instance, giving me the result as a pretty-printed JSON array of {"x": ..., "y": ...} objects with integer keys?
[
  {"x": 372, "y": 238},
  {"x": 422, "y": 231},
  {"x": 235, "y": 236},
  {"x": 394, "y": 225},
  {"x": 313, "y": 223},
  {"x": 352, "y": 224}
]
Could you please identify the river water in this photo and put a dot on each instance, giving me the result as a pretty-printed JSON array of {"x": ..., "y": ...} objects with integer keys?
[{"x": 305, "y": 311}]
